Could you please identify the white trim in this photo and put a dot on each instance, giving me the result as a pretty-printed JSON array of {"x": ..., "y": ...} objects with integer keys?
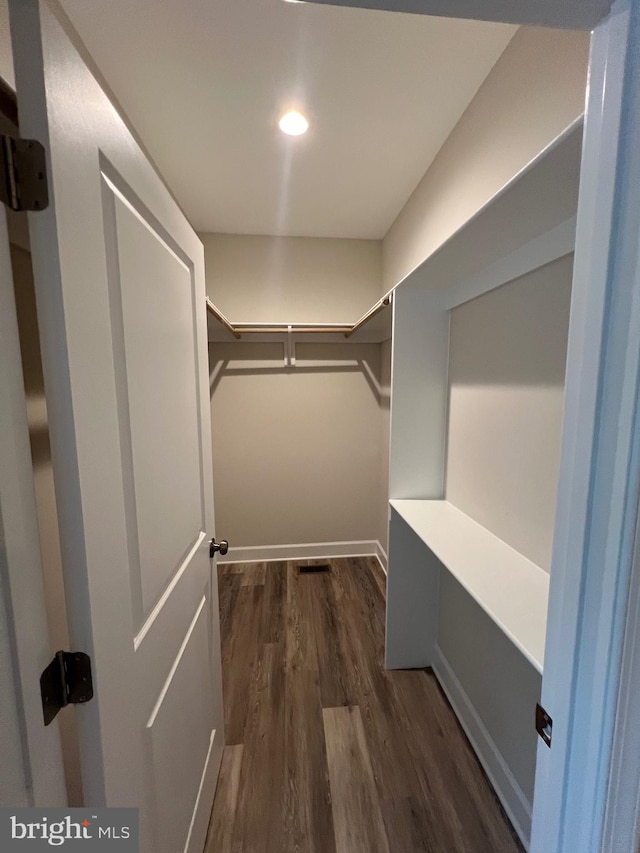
[
  {"x": 413, "y": 584},
  {"x": 572, "y": 14},
  {"x": 418, "y": 396},
  {"x": 35, "y": 772},
  {"x": 149, "y": 621},
  {"x": 302, "y": 551},
  {"x": 381, "y": 554},
  {"x": 175, "y": 665},
  {"x": 421, "y": 324},
  {"x": 504, "y": 783},
  {"x": 622, "y": 819},
  {"x": 200, "y": 821},
  {"x": 542, "y": 250}
]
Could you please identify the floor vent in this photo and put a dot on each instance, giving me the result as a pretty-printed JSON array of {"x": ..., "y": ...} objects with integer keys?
[{"x": 314, "y": 570}]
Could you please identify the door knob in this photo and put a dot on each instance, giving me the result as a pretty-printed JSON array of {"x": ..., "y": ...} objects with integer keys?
[{"x": 220, "y": 547}]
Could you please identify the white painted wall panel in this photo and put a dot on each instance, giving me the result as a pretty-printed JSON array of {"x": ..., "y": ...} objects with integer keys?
[
  {"x": 412, "y": 598},
  {"x": 419, "y": 394},
  {"x": 506, "y": 373},
  {"x": 502, "y": 685}
]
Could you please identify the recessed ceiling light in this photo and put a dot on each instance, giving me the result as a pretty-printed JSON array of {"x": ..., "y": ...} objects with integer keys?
[{"x": 293, "y": 123}]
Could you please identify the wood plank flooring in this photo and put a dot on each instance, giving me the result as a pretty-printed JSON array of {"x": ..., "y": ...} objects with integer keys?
[{"x": 326, "y": 751}]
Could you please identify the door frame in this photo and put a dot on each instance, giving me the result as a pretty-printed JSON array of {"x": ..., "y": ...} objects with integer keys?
[
  {"x": 622, "y": 816},
  {"x": 36, "y": 765},
  {"x": 598, "y": 500},
  {"x": 599, "y": 485}
]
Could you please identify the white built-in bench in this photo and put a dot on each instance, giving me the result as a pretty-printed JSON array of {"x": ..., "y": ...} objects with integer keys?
[{"x": 511, "y": 589}]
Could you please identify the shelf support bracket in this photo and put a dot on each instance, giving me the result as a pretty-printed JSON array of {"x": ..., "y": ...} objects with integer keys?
[{"x": 289, "y": 349}]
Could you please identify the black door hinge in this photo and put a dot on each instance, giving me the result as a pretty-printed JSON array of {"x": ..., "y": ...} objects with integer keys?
[
  {"x": 544, "y": 724},
  {"x": 66, "y": 681},
  {"x": 23, "y": 174}
]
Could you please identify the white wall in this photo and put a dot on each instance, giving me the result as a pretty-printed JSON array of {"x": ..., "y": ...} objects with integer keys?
[
  {"x": 534, "y": 91},
  {"x": 297, "y": 453},
  {"x": 508, "y": 350},
  {"x": 292, "y": 279}
]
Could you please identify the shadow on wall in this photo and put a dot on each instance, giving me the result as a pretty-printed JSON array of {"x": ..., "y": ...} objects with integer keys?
[
  {"x": 508, "y": 352},
  {"x": 269, "y": 359},
  {"x": 515, "y": 334},
  {"x": 299, "y": 453}
]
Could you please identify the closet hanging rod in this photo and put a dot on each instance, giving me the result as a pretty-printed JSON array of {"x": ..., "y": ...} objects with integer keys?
[
  {"x": 377, "y": 308},
  {"x": 295, "y": 328},
  {"x": 298, "y": 328},
  {"x": 217, "y": 313}
]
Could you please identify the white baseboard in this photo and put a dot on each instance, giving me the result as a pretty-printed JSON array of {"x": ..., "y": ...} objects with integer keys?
[
  {"x": 381, "y": 554},
  {"x": 510, "y": 794},
  {"x": 305, "y": 551}
]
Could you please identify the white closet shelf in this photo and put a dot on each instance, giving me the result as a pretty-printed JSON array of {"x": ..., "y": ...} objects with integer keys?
[
  {"x": 373, "y": 327},
  {"x": 511, "y": 589}
]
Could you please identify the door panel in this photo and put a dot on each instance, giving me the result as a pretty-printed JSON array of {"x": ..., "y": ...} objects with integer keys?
[
  {"x": 165, "y": 490},
  {"x": 182, "y": 707},
  {"x": 121, "y": 306}
]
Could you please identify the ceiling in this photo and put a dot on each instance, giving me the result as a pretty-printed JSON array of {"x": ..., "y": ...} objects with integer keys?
[{"x": 205, "y": 81}]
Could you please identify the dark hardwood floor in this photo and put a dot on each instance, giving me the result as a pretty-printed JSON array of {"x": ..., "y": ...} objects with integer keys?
[{"x": 326, "y": 751}]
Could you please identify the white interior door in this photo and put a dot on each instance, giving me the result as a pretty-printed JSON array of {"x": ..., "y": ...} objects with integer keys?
[{"x": 121, "y": 304}]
